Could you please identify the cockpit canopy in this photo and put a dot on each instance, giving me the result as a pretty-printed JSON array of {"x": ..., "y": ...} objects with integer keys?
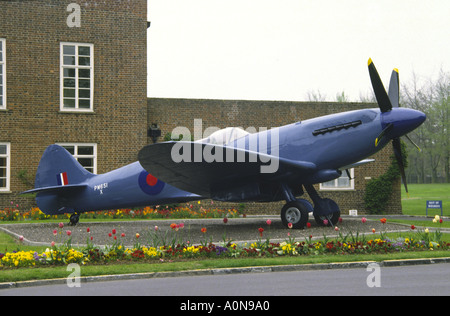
[{"x": 224, "y": 136}]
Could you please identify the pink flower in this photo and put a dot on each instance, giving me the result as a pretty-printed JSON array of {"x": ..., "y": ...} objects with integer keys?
[
  {"x": 20, "y": 238},
  {"x": 325, "y": 222},
  {"x": 290, "y": 225},
  {"x": 363, "y": 220},
  {"x": 269, "y": 222},
  {"x": 156, "y": 229},
  {"x": 55, "y": 232},
  {"x": 53, "y": 244},
  {"x": 61, "y": 225},
  {"x": 181, "y": 225},
  {"x": 336, "y": 228},
  {"x": 68, "y": 233}
]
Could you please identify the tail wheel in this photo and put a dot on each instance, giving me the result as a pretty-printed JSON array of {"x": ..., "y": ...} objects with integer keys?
[{"x": 295, "y": 213}]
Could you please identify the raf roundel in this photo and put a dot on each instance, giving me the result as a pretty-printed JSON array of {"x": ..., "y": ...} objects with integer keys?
[{"x": 149, "y": 184}]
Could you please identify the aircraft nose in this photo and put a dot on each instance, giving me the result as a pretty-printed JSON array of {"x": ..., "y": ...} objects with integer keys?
[{"x": 404, "y": 120}]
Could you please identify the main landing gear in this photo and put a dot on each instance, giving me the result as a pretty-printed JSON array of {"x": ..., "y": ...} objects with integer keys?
[
  {"x": 296, "y": 211},
  {"x": 74, "y": 218}
]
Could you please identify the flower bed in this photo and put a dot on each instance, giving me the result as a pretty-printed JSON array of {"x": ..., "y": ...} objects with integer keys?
[
  {"x": 168, "y": 246},
  {"x": 188, "y": 210}
]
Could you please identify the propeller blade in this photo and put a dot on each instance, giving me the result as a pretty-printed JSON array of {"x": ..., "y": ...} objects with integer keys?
[
  {"x": 418, "y": 148},
  {"x": 394, "y": 87},
  {"x": 398, "y": 156},
  {"x": 380, "y": 93},
  {"x": 383, "y": 132}
]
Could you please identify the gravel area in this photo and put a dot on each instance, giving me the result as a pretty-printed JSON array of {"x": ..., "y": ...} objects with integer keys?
[{"x": 237, "y": 229}]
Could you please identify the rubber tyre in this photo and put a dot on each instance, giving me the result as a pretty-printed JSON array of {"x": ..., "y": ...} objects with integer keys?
[{"x": 296, "y": 213}]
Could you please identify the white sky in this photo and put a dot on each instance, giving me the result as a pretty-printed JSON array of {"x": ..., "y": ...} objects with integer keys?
[{"x": 280, "y": 50}]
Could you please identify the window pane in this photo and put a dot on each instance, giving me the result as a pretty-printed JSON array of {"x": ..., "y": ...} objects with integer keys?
[
  {"x": 86, "y": 162},
  {"x": 82, "y": 93},
  {"x": 69, "y": 50},
  {"x": 84, "y": 83},
  {"x": 69, "y": 83},
  {"x": 1, "y": 101},
  {"x": 1, "y": 69},
  {"x": 343, "y": 182},
  {"x": 3, "y": 162},
  {"x": 2, "y": 150},
  {"x": 84, "y": 73},
  {"x": 2, "y": 183},
  {"x": 84, "y": 104},
  {"x": 69, "y": 72},
  {"x": 84, "y": 50},
  {"x": 329, "y": 184},
  {"x": 2, "y": 172},
  {"x": 70, "y": 149},
  {"x": 69, "y": 103},
  {"x": 69, "y": 60},
  {"x": 69, "y": 93},
  {"x": 84, "y": 61},
  {"x": 85, "y": 150}
]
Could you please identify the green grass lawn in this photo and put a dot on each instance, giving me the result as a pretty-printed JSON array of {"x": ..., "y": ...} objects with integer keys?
[{"x": 415, "y": 204}]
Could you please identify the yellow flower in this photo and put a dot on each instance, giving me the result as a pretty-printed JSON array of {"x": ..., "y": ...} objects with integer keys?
[{"x": 426, "y": 230}]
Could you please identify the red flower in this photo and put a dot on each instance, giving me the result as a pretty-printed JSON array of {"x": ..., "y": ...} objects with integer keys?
[
  {"x": 88, "y": 230},
  {"x": 114, "y": 231},
  {"x": 308, "y": 225},
  {"x": 225, "y": 220},
  {"x": 203, "y": 230},
  {"x": 122, "y": 235},
  {"x": 383, "y": 220},
  {"x": 413, "y": 227},
  {"x": 260, "y": 231}
]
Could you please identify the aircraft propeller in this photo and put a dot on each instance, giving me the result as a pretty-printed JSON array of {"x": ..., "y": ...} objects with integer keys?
[{"x": 386, "y": 101}]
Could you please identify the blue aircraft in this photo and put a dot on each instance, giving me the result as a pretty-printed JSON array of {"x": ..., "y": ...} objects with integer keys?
[{"x": 235, "y": 166}]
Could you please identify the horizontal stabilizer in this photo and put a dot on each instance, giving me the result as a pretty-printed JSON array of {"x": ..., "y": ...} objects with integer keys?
[{"x": 56, "y": 189}]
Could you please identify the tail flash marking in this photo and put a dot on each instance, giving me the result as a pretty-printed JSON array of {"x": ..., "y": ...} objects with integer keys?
[{"x": 62, "y": 178}]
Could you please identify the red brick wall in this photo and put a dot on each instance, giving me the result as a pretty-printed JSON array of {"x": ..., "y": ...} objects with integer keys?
[{"x": 33, "y": 31}]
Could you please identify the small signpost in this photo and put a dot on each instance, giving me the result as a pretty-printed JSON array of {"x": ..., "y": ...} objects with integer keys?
[{"x": 434, "y": 205}]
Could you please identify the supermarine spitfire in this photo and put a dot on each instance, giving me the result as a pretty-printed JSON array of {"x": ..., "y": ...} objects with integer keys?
[{"x": 235, "y": 166}]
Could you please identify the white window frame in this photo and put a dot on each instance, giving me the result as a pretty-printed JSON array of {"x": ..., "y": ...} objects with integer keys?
[
  {"x": 335, "y": 182},
  {"x": 76, "y": 89},
  {"x": 78, "y": 156},
  {"x": 3, "y": 81},
  {"x": 6, "y": 189}
]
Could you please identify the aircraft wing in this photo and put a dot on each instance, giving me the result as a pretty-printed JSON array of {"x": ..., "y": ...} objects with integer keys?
[{"x": 201, "y": 168}]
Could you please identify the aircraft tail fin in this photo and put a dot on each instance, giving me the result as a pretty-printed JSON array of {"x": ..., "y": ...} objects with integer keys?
[
  {"x": 58, "y": 174},
  {"x": 59, "y": 168}
]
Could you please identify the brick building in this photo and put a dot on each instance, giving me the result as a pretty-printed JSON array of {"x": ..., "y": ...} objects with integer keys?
[
  {"x": 72, "y": 72},
  {"x": 253, "y": 115}
]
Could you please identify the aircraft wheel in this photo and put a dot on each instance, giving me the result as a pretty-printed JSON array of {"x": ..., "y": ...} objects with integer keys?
[
  {"x": 296, "y": 213},
  {"x": 332, "y": 219},
  {"x": 74, "y": 218}
]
